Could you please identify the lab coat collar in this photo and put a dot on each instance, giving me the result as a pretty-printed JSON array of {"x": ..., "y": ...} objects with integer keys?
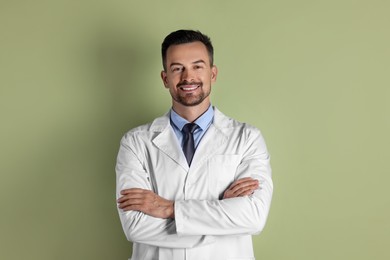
[{"x": 167, "y": 142}]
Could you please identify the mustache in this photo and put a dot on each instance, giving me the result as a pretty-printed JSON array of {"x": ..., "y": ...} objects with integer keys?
[{"x": 189, "y": 83}]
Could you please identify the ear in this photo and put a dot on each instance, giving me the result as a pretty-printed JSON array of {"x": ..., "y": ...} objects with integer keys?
[
  {"x": 164, "y": 78},
  {"x": 214, "y": 73}
]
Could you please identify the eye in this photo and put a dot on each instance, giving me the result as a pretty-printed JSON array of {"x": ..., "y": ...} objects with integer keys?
[
  {"x": 197, "y": 67},
  {"x": 176, "y": 69}
]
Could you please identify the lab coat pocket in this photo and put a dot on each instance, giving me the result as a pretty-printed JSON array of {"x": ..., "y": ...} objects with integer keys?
[{"x": 222, "y": 170}]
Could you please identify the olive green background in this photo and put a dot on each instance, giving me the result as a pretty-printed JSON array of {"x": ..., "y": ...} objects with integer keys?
[{"x": 312, "y": 75}]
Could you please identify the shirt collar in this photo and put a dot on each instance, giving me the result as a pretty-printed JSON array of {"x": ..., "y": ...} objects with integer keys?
[{"x": 203, "y": 121}]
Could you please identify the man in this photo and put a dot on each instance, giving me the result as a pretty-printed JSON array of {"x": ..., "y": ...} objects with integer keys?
[{"x": 192, "y": 191}]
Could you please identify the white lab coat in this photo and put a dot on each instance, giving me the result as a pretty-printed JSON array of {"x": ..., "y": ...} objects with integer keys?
[{"x": 205, "y": 226}]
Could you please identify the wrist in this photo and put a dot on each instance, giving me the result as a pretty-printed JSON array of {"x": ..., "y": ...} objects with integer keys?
[{"x": 172, "y": 210}]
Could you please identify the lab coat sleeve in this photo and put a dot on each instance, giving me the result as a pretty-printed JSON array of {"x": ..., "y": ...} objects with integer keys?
[
  {"x": 234, "y": 216},
  {"x": 139, "y": 227}
]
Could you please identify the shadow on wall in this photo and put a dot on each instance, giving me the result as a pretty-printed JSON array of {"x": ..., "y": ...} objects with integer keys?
[
  {"x": 122, "y": 68},
  {"x": 73, "y": 172},
  {"x": 125, "y": 84},
  {"x": 121, "y": 103},
  {"x": 124, "y": 78}
]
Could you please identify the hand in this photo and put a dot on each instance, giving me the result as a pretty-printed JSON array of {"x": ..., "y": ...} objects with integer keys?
[
  {"x": 147, "y": 202},
  {"x": 242, "y": 187}
]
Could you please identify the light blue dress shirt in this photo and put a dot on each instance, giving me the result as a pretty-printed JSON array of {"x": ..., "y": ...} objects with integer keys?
[{"x": 204, "y": 121}]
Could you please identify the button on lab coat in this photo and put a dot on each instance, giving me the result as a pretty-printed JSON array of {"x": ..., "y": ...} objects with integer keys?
[{"x": 205, "y": 225}]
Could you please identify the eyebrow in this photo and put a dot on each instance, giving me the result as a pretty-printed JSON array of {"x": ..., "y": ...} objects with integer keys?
[
  {"x": 179, "y": 64},
  {"x": 175, "y": 64},
  {"x": 199, "y": 61}
]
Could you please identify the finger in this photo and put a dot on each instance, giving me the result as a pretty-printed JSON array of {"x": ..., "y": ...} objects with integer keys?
[
  {"x": 131, "y": 196},
  {"x": 242, "y": 180},
  {"x": 134, "y": 202},
  {"x": 239, "y": 181},
  {"x": 131, "y": 207},
  {"x": 244, "y": 190},
  {"x": 244, "y": 193},
  {"x": 145, "y": 196},
  {"x": 242, "y": 185},
  {"x": 133, "y": 190},
  {"x": 121, "y": 199},
  {"x": 247, "y": 193}
]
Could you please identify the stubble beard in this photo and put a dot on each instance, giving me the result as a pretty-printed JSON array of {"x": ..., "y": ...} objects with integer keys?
[{"x": 191, "y": 99}]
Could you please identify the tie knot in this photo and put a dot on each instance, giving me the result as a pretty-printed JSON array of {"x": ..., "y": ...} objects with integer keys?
[{"x": 189, "y": 128}]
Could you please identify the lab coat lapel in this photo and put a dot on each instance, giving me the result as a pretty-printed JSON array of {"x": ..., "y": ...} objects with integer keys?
[
  {"x": 167, "y": 142},
  {"x": 209, "y": 145},
  {"x": 211, "y": 141}
]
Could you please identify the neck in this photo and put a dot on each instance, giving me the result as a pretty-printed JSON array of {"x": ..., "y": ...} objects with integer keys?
[{"x": 190, "y": 113}]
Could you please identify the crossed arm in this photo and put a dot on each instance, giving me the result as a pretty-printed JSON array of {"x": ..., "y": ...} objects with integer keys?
[
  {"x": 153, "y": 220},
  {"x": 148, "y": 202}
]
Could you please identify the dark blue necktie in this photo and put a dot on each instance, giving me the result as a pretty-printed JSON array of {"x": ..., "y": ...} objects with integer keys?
[{"x": 188, "y": 141}]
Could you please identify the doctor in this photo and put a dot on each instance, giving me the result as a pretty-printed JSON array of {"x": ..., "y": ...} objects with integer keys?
[{"x": 193, "y": 184}]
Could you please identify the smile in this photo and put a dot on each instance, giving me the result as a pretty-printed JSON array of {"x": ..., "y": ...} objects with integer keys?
[{"x": 189, "y": 87}]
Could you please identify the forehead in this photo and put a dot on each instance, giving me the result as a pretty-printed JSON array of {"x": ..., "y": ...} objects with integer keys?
[{"x": 187, "y": 53}]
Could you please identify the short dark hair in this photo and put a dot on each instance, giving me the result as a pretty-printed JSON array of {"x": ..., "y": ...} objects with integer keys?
[{"x": 186, "y": 36}]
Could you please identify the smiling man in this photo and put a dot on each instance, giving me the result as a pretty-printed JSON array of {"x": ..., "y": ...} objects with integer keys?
[{"x": 193, "y": 184}]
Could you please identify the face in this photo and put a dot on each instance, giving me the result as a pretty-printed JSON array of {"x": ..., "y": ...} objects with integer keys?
[{"x": 188, "y": 74}]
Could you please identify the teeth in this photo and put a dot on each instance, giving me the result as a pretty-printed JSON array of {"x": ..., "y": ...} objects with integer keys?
[{"x": 188, "y": 89}]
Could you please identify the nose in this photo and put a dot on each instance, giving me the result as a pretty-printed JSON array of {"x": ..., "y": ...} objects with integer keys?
[{"x": 187, "y": 75}]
